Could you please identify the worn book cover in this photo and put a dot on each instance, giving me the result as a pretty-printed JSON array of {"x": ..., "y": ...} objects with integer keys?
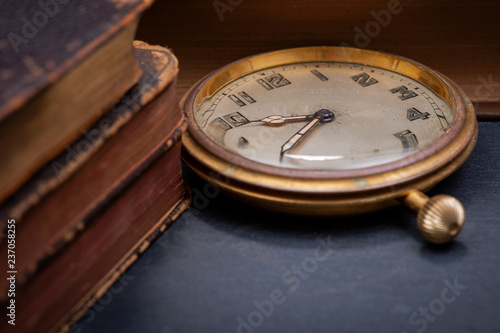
[
  {"x": 83, "y": 234},
  {"x": 51, "y": 225},
  {"x": 159, "y": 67},
  {"x": 62, "y": 65}
]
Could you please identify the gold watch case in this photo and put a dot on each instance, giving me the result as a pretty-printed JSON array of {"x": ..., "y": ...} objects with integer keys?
[{"x": 330, "y": 192}]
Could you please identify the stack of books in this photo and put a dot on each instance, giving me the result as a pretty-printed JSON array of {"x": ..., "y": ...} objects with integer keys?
[{"x": 90, "y": 139}]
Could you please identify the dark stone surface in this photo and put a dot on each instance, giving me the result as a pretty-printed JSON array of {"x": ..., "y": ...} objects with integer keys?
[{"x": 207, "y": 271}]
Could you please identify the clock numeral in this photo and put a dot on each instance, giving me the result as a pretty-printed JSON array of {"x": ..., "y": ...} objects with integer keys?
[
  {"x": 405, "y": 93},
  {"x": 242, "y": 142},
  {"x": 243, "y": 95},
  {"x": 364, "y": 80},
  {"x": 414, "y": 114},
  {"x": 273, "y": 81},
  {"x": 235, "y": 119},
  {"x": 220, "y": 125},
  {"x": 408, "y": 139},
  {"x": 217, "y": 129},
  {"x": 319, "y": 75},
  {"x": 247, "y": 97}
]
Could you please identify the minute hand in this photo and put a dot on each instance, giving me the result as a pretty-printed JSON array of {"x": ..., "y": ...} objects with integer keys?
[
  {"x": 284, "y": 119},
  {"x": 298, "y": 136}
]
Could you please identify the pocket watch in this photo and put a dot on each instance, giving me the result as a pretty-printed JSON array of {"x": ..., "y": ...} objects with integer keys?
[{"x": 332, "y": 131}]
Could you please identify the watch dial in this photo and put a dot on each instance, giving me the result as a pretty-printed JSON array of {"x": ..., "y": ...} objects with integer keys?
[{"x": 324, "y": 116}]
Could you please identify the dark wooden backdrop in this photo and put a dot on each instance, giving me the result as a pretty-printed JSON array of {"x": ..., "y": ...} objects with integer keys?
[{"x": 460, "y": 38}]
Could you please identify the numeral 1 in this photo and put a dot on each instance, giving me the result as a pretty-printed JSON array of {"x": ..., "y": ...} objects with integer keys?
[{"x": 319, "y": 75}]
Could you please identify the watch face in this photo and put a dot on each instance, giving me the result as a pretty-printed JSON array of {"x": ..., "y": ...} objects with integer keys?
[{"x": 323, "y": 116}]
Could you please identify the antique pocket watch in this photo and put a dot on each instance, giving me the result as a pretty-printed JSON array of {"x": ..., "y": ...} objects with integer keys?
[{"x": 332, "y": 131}]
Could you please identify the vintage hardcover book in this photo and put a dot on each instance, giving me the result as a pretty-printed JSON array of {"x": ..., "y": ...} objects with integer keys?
[
  {"x": 159, "y": 67},
  {"x": 62, "y": 65},
  {"x": 70, "y": 284},
  {"x": 51, "y": 226}
]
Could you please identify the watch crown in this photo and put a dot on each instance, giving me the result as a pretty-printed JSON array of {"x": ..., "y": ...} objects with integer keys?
[{"x": 439, "y": 218}]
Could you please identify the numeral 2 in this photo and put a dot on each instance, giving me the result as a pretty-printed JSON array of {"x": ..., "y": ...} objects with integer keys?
[{"x": 364, "y": 79}]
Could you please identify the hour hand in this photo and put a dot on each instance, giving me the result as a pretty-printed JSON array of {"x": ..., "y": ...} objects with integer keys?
[{"x": 283, "y": 119}]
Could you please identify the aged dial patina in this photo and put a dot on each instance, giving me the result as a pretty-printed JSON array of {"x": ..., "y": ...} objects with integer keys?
[{"x": 332, "y": 131}]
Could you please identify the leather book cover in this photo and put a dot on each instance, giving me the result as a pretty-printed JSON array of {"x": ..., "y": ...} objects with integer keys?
[
  {"x": 159, "y": 67},
  {"x": 50, "y": 227},
  {"x": 44, "y": 40},
  {"x": 62, "y": 65}
]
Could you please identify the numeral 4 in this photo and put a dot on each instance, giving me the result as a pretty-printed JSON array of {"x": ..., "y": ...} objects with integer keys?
[{"x": 413, "y": 114}]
